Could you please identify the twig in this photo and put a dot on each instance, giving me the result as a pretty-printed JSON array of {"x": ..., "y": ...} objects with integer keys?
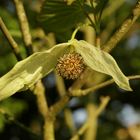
[
  {"x": 11, "y": 41},
  {"x": 49, "y": 127},
  {"x": 60, "y": 85},
  {"x": 80, "y": 132},
  {"x": 94, "y": 112},
  {"x": 48, "y": 114},
  {"x": 67, "y": 112},
  {"x": 39, "y": 88},
  {"x": 91, "y": 131},
  {"x": 69, "y": 120},
  {"x": 56, "y": 108},
  {"x": 92, "y": 119},
  {"x": 50, "y": 118},
  {"x": 80, "y": 92},
  {"x": 74, "y": 33},
  {"x": 24, "y": 26},
  {"x": 39, "y": 91},
  {"x": 104, "y": 102},
  {"x": 127, "y": 24},
  {"x": 86, "y": 14},
  {"x": 105, "y": 2},
  {"x": 110, "y": 44},
  {"x": 81, "y": 80}
]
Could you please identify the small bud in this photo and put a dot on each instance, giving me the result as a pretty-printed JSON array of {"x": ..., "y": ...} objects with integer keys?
[{"x": 70, "y": 66}]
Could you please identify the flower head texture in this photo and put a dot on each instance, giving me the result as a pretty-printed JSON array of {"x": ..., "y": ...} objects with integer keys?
[{"x": 70, "y": 66}]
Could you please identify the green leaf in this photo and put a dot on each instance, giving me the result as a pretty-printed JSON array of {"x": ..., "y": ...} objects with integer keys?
[
  {"x": 28, "y": 71},
  {"x": 102, "y": 62},
  {"x": 69, "y": 2},
  {"x": 7, "y": 16},
  {"x": 17, "y": 106},
  {"x": 58, "y": 16},
  {"x": 101, "y": 4}
]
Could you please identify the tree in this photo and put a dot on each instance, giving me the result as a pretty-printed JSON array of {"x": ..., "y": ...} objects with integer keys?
[{"x": 79, "y": 62}]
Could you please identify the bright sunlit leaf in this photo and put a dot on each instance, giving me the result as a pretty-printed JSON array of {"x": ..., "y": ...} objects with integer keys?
[
  {"x": 28, "y": 71},
  {"x": 101, "y": 61}
]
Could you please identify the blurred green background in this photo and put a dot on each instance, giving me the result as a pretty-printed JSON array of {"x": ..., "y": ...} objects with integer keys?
[{"x": 120, "y": 120}]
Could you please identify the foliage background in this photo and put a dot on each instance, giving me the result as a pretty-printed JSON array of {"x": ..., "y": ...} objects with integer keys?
[{"x": 123, "y": 111}]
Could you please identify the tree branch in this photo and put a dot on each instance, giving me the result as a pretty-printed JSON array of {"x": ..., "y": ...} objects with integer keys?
[
  {"x": 39, "y": 91},
  {"x": 80, "y": 132},
  {"x": 11, "y": 41},
  {"x": 24, "y": 26},
  {"x": 49, "y": 127},
  {"x": 127, "y": 24},
  {"x": 67, "y": 112},
  {"x": 91, "y": 121},
  {"x": 84, "y": 92},
  {"x": 56, "y": 108},
  {"x": 39, "y": 88}
]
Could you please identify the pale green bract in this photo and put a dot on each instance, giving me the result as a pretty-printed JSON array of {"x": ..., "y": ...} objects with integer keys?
[
  {"x": 28, "y": 71},
  {"x": 101, "y": 61}
]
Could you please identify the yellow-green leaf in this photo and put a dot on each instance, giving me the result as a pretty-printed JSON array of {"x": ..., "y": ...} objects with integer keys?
[
  {"x": 28, "y": 71},
  {"x": 102, "y": 62}
]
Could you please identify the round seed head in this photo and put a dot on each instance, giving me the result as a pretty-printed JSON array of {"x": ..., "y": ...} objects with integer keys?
[{"x": 70, "y": 66}]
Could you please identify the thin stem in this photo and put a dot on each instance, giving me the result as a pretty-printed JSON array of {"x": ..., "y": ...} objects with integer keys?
[
  {"x": 60, "y": 85},
  {"x": 24, "y": 26},
  {"x": 104, "y": 102},
  {"x": 80, "y": 131},
  {"x": 56, "y": 108},
  {"x": 98, "y": 43},
  {"x": 39, "y": 88},
  {"x": 92, "y": 119},
  {"x": 86, "y": 14},
  {"x": 67, "y": 112},
  {"x": 11, "y": 41},
  {"x": 91, "y": 131},
  {"x": 69, "y": 120},
  {"x": 105, "y": 2},
  {"x": 50, "y": 117},
  {"x": 74, "y": 33},
  {"x": 39, "y": 91},
  {"x": 92, "y": 23},
  {"x": 81, "y": 80},
  {"x": 127, "y": 24},
  {"x": 80, "y": 92},
  {"x": 49, "y": 127},
  {"x": 93, "y": 113},
  {"x": 91, "y": 3}
]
